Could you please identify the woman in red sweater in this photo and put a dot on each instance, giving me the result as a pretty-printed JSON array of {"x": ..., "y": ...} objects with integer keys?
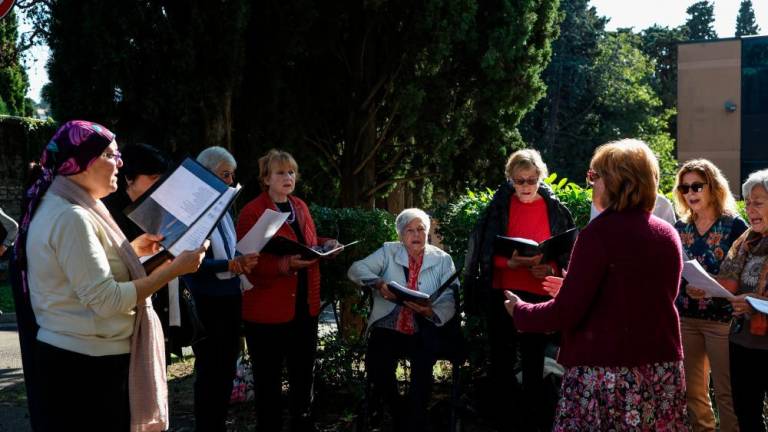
[
  {"x": 616, "y": 306},
  {"x": 280, "y": 312},
  {"x": 522, "y": 207}
]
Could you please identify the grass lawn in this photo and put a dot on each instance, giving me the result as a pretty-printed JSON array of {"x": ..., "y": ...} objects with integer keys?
[{"x": 6, "y": 298}]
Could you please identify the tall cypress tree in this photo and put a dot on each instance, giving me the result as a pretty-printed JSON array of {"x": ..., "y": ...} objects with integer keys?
[
  {"x": 701, "y": 20},
  {"x": 745, "y": 21}
]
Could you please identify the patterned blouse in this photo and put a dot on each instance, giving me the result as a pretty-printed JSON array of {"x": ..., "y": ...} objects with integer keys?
[{"x": 710, "y": 249}]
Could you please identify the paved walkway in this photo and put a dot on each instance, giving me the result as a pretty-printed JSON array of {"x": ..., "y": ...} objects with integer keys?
[{"x": 13, "y": 418}]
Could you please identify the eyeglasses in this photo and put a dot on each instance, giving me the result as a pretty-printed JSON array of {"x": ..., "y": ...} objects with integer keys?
[
  {"x": 592, "y": 176},
  {"x": 695, "y": 187},
  {"x": 115, "y": 156},
  {"x": 529, "y": 181}
]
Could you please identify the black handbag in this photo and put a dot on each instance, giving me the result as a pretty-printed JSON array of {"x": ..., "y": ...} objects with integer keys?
[{"x": 192, "y": 328}]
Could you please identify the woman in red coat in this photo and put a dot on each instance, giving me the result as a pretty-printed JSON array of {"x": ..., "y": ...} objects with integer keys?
[{"x": 280, "y": 311}]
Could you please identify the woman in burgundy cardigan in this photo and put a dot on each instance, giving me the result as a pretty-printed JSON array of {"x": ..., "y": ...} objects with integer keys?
[
  {"x": 280, "y": 311},
  {"x": 616, "y": 306}
]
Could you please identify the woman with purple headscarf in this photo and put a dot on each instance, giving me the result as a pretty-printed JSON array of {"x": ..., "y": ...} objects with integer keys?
[{"x": 98, "y": 359}]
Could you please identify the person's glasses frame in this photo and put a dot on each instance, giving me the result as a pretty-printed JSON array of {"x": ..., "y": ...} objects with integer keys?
[
  {"x": 115, "y": 156},
  {"x": 696, "y": 187}
]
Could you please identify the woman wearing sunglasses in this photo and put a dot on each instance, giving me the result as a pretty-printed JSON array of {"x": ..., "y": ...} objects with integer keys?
[
  {"x": 615, "y": 308},
  {"x": 524, "y": 206},
  {"x": 708, "y": 227}
]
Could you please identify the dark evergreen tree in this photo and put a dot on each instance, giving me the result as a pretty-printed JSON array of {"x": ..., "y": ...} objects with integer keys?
[
  {"x": 745, "y": 22},
  {"x": 701, "y": 21}
]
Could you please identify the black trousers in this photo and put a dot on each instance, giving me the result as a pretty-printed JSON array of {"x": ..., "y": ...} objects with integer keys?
[
  {"x": 270, "y": 346},
  {"x": 216, "y": 359},
  {"x": 82, "y": 393},
  {"x": 533, "y": 410},
  {"x": 749, "y": 385},
  {"x": 385, "y": 348}
]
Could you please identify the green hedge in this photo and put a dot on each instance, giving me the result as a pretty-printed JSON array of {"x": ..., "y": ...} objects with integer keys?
[{"x": 371, "y": 227}]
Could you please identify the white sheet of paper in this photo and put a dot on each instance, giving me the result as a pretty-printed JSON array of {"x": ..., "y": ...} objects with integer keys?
[
  {"x": 188, "y": 210},
  {"x": 759, "y": 304},
  {"x": 696, "y": 276},
  {"x": 197, "y": 233},
  {"x": 262, "y": 231}
]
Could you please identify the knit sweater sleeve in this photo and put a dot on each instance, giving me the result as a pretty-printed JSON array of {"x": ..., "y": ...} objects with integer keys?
[{"x": 588, "y": 266}]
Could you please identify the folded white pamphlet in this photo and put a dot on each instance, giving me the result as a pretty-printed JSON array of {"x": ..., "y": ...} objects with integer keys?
[
  {"x": 262, "y": 231},
  {"x": 697, "y": 277}
]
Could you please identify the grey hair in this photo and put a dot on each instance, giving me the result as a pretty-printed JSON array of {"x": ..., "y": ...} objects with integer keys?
[
  {"x": 406, "y": 216},
  {"x": 757, "y": 178},
  {"x": 213, "y": 156}
]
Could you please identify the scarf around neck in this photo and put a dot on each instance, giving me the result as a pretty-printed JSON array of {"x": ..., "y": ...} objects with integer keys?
[{"x": 147, "y": 386}]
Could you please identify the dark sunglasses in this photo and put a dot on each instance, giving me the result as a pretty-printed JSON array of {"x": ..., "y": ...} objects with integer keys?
[
  {"x": 522, "y": 181},
  {"x": 696, "y": 187},
  {"x": 592, "y": 176}
]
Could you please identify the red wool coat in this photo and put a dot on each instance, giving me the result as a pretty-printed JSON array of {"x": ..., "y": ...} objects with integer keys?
[{"x": 273, "y": 297}]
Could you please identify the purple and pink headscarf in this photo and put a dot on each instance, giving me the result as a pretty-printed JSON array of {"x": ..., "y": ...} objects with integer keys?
[{"x": 71, "y": 150}]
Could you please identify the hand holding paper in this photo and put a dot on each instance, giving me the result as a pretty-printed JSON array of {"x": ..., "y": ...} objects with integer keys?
[{"x": 695, "y": 274}]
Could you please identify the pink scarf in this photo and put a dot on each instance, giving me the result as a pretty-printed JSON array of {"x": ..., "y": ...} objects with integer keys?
[{"x": 147, "y": 386}]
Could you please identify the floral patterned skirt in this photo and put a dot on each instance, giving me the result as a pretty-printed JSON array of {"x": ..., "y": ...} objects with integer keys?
[{"x": 644, "y": 398}]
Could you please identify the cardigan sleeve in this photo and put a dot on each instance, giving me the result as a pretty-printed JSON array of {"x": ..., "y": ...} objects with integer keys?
[
  {"x": 368, "y": 269},
  {"x": 84, "y": 261},
  {"x": 587, "y": 268}
]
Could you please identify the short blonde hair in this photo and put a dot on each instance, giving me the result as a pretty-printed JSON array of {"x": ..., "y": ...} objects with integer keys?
[
  {"x": 716, "y": 182},
  {"x": 279, "y": 157},
  {"x": 525, "y": 159},
  {"x": 630, "y": 172}
]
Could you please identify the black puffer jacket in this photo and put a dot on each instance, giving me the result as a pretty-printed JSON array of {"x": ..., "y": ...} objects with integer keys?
[{"x": 478, "y": 264}]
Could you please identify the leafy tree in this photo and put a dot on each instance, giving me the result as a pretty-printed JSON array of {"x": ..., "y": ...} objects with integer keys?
[
  {"x": 562, "y": 121},
  {"x": 701, "y": 21},
  {"x": 745, "y": 21},
  {"x": 600, "y": 88},
  {"x": 13, "y": 77},
  {"x": 397, "y": 89}
]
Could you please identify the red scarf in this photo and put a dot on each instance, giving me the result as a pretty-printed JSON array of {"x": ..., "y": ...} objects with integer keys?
[{"x": 405, "y": 320}]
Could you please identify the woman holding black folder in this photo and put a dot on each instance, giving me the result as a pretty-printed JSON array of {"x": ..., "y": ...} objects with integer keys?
[
  {"x": 97, "y": 362},
  {"x": 620, "y": 330},
  {"x": 280, "y": 311},
  {"x": 526, "y": 207},
  {"x": 404, "y": 329}
]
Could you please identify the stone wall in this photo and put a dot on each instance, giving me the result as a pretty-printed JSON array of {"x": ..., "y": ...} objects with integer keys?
[{"x": 21, "y": 141}]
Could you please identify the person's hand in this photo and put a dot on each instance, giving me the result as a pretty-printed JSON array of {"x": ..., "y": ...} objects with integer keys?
[
  {"x": 243, "y": 263},
  {"x": 541, "y": 271},
  {"x": 740, "y": 305},
  {"x": 520, "y": 261},
  {"x": 425, "y": 310},
  {"x": 384, "y": 291},
  {"x": 296, "y": 263},
  {"x": 188, "y": 261},
  {"x": 695, "y": 293},
  {"x": 552, "y": 284},
  {"x": 510, "y": 302},
  {"x": 147, "y": 244},
  {"x": 3, "y": 248},
  {"x": 330, "y": 245}
]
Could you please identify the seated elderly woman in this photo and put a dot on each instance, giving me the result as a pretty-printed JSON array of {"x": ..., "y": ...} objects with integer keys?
[
  {"x": 745, "y": 273},
  {"x": 401, "y": 330}
]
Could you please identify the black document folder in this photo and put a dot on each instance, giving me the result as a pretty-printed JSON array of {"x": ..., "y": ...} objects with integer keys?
[
  {"x": 551, "y": 247},
  {"x": 184, "y": 207},
  {"x": 279, "y": 245}
]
